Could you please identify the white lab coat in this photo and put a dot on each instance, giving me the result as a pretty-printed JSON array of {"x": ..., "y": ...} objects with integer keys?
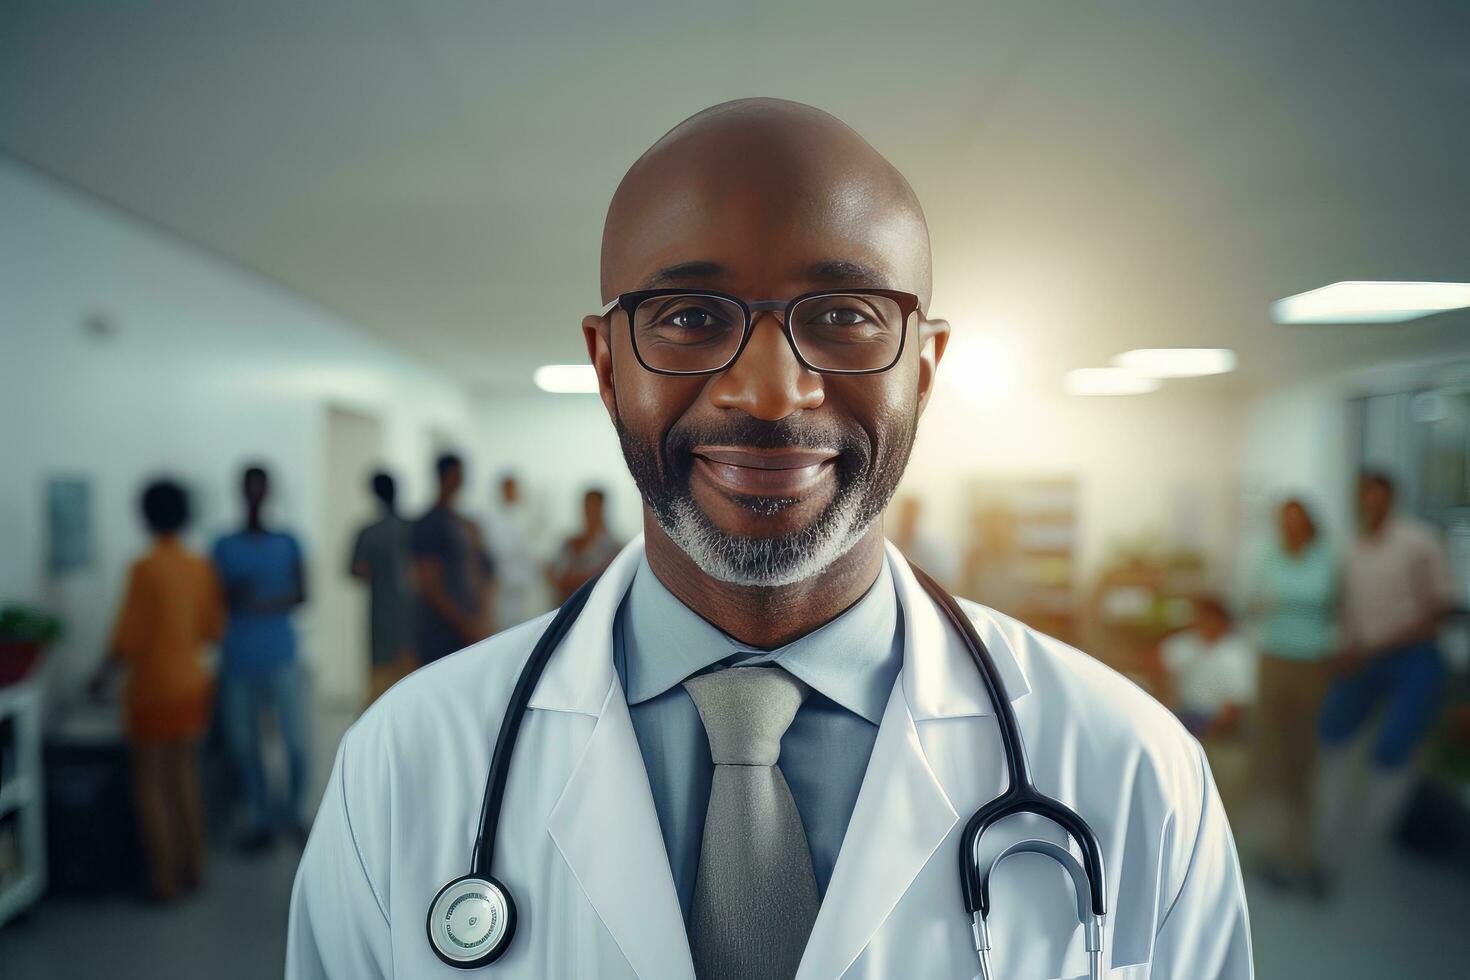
[{"x": 580, "y": 847}]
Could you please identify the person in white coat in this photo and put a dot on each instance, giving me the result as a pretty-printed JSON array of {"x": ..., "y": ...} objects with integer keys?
[{"x": 755, "y": 751}]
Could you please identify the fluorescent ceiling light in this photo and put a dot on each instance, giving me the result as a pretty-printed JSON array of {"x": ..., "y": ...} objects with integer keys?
[
  {"x": 1176, "y": 362},
  {"x": 566, "y": 379},
  {"x": 1107, "y": 381},
  {"x": 1371, "y": 302}
]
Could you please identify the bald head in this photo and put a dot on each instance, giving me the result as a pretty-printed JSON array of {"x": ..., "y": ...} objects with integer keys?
[{"x": 764, "y": 198}]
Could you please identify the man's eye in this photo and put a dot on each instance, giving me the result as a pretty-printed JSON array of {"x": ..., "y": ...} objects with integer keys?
[
  {"x": 841, "y": 318},
  {"x": 692, "y": 318}
]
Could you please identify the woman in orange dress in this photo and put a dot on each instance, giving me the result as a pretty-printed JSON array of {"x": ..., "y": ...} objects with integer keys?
[{"x": 172, "y": 610}]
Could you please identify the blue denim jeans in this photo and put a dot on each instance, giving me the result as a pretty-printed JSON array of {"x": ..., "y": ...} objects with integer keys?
[
  {"x": 245, "y": 697},
  {"x": 1412, "y": 679}
]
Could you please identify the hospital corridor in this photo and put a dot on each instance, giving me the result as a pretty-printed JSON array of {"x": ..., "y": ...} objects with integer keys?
[{"x": 608, "y": 490}]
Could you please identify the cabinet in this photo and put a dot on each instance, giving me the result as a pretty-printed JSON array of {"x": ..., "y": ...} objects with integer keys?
[{"x": 22, "y": 822}]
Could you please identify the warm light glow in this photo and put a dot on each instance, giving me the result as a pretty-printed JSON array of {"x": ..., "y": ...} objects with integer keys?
[
  {"x": 1371, "y": 302},
  {"x": 1107, "y": 381},
  {"x": 567, "y": 379},
  {"x": 1176, "y": 362},
  {"x": 981, "y": 366}
]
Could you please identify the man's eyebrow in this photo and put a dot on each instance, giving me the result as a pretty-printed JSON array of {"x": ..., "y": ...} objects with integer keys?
[
  {"x": 848, "y": 273},
  {"x": 683, "y": 274}
]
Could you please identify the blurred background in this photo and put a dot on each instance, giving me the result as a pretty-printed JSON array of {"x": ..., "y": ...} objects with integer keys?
[{"x": 333, "y": 240}]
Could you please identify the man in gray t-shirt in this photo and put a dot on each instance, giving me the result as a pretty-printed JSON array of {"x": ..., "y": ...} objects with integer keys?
[
  {"x": 380, "y": 557},
  {"x": 452, "y": 570}
]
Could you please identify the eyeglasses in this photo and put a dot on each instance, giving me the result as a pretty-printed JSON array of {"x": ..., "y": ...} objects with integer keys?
[{"x": 693, "y": 331}]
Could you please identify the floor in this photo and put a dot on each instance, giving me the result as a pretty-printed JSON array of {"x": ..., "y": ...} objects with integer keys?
[
  {"x": 1392, "y": 917},
  {"x": 235, "y": 929}
]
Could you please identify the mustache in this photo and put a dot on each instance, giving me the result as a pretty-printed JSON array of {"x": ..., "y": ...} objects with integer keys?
[{"x": 792, "y": 432}]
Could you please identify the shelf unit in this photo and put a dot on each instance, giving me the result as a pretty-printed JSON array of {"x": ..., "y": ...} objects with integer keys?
[
  {"x": 1021, "y": 554},
  {"x": 22, "y": 798}
]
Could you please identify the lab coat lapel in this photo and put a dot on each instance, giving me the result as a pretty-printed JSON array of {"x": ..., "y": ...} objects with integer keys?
[
  {"x": 607, "y": 830},
  {"x": 902, "y": 816},
  {"x": 604, "y": 824},
  {"x": 904, "y": 812}
]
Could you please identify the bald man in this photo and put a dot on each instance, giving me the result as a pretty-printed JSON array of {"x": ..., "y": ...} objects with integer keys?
[{"x": 756, "y": 740}]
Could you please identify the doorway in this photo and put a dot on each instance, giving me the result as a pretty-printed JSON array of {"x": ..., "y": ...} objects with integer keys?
[{"x": 354, "y": 444}]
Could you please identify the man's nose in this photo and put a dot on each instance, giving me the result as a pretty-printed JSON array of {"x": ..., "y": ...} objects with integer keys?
[{"x": 767, "y": 381}]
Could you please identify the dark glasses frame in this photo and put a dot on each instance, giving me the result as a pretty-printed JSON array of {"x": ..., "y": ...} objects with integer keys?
[{"x": 908, "y": 305}]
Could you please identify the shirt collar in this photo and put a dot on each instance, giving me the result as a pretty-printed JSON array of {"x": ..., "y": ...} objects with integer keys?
[{"x": 854, "y": 659}]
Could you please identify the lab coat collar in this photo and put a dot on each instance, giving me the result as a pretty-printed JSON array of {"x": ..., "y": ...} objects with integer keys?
[
  {"x": 581, "y": 672},
  {"x": 939, "y": 679}
]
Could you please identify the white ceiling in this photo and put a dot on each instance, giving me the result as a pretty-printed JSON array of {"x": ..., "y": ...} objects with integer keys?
[{"x": 1098, "y": 176}]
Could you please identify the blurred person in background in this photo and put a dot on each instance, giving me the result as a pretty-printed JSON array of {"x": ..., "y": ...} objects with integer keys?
[
  {"x": 907, "y": 534},
  {"x": 171, "y": 611},
  {"x": 380, "y": 558},
  {"x": 1294, "y": 589},
  {"x": 264, "y": 580},
  {"x": 585, "y": 553},
  {"x": 512, "y": 529},
  {"x": 1212, "y": 671},
  {"x": 453, "y": 574},
  {"x": 1397, "y": 588}
]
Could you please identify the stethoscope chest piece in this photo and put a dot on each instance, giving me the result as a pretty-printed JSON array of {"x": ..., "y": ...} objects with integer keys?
[{"x": 471, "y": 921}]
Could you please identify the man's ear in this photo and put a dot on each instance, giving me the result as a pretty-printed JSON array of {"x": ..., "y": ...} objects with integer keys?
[
  {"x": 597, "y": 331},
  {"x": 933, "y": 339}
]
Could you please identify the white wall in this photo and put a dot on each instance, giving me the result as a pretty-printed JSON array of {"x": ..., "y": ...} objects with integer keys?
[
  {"x": 559, "y": 446},
  {"x": 210, "y": 367}
]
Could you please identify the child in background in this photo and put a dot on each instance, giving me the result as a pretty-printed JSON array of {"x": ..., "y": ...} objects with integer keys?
[
  {"x": 171, "y": 611},
  {"x": 1212, "y": 670}
]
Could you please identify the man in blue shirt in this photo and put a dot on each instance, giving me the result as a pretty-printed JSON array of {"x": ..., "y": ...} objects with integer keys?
[{"x": 263, "y": 578}]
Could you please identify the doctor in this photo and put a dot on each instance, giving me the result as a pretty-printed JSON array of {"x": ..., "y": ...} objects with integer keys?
[{"x": 753, "y": 754}]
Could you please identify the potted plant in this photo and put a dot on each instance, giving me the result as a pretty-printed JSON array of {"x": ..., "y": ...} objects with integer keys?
[{"x": 24, "y": 632}]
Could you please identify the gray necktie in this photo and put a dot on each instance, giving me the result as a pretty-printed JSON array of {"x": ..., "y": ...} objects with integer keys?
[{"x": 755, "y": 896}]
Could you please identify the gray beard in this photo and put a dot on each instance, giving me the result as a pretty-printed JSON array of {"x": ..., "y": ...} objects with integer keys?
[
  {"x": 784, "y": 559},
  {"x": 767, "y": 562}
]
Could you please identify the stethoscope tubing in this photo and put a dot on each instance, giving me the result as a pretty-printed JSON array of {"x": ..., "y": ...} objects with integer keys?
[
  {"x": 1021, "y": 795},
  {"x": 510, "y": 725}
]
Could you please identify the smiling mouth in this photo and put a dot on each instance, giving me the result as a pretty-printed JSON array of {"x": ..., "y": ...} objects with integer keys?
[{"x": 765, "y": 472}]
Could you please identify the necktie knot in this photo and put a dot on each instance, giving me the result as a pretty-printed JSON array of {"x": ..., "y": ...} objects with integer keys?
[{"x": 746, "y": 711}]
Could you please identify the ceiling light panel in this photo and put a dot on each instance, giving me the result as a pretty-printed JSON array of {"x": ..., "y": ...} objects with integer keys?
[
  {"x": 1177, "y": 362},
  {"x": 1371, "y": 302}
]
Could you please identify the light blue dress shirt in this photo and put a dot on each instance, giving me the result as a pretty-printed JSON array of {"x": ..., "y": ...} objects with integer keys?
[{"x": 851, "y": 664}]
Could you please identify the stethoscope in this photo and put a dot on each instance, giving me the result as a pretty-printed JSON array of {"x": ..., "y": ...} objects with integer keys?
[{"x": 472, "y": 920}]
